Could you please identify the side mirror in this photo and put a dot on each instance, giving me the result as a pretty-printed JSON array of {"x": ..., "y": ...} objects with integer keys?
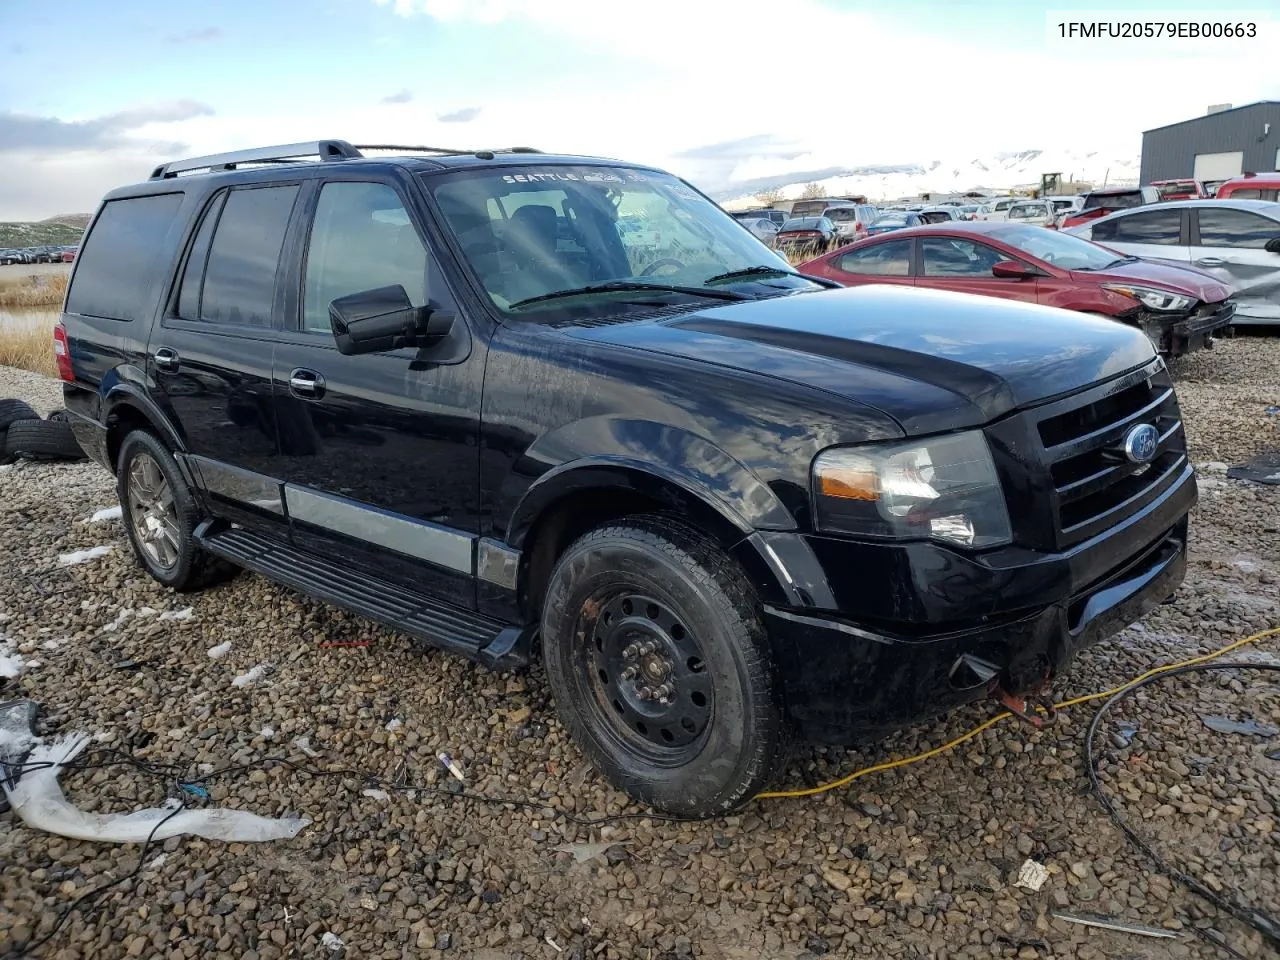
[
  {"x": 1013, "y": 270},
  {"x": 372, "y": 321},
  {"x": 1273, "y": 245}
]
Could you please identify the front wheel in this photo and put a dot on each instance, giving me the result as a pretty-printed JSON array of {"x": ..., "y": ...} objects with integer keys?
[{"x": 660, "y": 667}]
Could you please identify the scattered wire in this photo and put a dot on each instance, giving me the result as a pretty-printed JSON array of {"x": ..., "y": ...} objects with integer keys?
[{"x": 1268, "y": 926}]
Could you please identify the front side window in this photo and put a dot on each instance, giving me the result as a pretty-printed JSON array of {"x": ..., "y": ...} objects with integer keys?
[
  {"x": 889, "y": 259},
  {"x": 947, "y": 257},
  {"x": 1236, "y": 228},
  {"x": 1162, "y": 227},
  {"x": 361, "y": 239},
  {"x": 552, "y": 231},
  {"x": 244, "y": 256}
]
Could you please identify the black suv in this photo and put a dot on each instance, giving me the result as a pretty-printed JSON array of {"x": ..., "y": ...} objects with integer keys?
[{"x": 722, "y": 503}]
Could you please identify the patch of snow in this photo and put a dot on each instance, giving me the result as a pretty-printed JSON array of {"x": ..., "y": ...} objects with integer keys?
[
  {"x": 118, "y": 622},
  {"x": 33, "y": 664},
  {"x": 184, "y": 614},
  {"x": 157, "y": 862},
  {"x": 220, "y": 651},
  {"x": 148, "y": 612},
  {"x": 375, "y": 794},
  {"x": 267, "y": 733},
  {"x": 395, "y": 724},
  {"x": 5, "y": 467},
  {"x": 331, "y": 941},
  {"x": 105, "y": 514},
  {"x": 252, "y": 675},
  {"x": 304, "y": 744},
  {"x": 1248, "y": 566},
  {"x": 83, "y": 556},
  {"x": 1212, "y": 466},
  {"x": 11, "y": 662},
  {"x": 54, "y": 643}
]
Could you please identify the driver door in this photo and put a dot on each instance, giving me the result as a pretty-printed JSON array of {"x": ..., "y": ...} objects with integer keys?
[
  {"x": 955, "y": 263},
  {"x": 380, "y": 450}
]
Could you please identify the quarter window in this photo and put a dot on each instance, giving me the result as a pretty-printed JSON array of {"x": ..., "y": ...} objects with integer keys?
[
  {"x": 361, "y": 239},
  {"x": 890, "y": 259}
]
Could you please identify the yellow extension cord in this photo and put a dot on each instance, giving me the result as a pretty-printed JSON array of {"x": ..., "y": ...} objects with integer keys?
[{"x": 988, "y": 724}]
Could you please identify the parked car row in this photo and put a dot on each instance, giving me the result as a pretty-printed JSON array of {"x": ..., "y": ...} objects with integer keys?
[{"x": 46, "y": 254}]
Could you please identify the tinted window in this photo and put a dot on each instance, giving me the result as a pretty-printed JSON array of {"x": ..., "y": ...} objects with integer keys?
[
  {"x": 1151, "y": 226},
  {"x": 1249, "y": 194},
  {"x": 892, "y": 259},
  {"x": 805, "y": 223},
  {"x": 240, "y": 280},
  {"x": 121, "y": 257},
  {"x": 193, "y": 273},
  {"x": 1113, "y": 201},
  {"x": 361, "y": 239},
  {"x": 1236, "y": 228},
  {"x": 945, "y": 257}
]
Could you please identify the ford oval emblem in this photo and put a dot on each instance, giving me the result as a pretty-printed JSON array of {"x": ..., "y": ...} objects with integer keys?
[{"x": 1140, "y": 443}]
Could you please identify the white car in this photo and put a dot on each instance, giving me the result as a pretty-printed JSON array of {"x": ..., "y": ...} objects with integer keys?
[
  {"x": 998, "y": 207},
  {"x": 761, "y": 228},
  {"x": 1238, "y": 241},
  {"x": 1037, "y": 212},
  {"x": 1064, "y": 207}
]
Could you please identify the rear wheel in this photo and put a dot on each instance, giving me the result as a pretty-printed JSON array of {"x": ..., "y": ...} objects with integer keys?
[
  {"x": 660, "y": 667},
  {"x": 160, "y": 515}
]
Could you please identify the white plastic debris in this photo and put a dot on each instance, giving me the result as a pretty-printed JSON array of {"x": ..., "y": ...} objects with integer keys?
[
  {"x": 304, "y": 744},
  {"x": 184, "y": 614},
  {"x": 252, "y": 675},
  {"x": 394, "y": 724},
  {"x": 1032, "y": 876},
  {"x": 83, "y": 556},
  {"x": 331, "y": 941},
  {"x": 38, "y": 801},
  {"x": 375, "y": 794},
  {"x": 220, "y": 651},
  {"x": 105, "y": 514}
]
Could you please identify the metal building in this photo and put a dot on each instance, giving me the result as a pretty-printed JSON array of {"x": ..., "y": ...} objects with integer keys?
[{"x": 1224, "y": 143}]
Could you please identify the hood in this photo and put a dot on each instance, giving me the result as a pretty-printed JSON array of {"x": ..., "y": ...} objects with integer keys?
[
  {"x": 1175, "y": 277},
  {"x": 931, "y": 359}
]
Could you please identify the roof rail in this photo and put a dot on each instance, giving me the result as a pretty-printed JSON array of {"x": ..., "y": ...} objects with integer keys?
[
  {"x": 322, "y": 149},
  {"x": 407, "y": 149}
]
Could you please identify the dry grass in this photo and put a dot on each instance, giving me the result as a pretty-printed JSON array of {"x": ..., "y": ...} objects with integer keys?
[
  {"x": 28, "y": 347},
  {"x": 38, "y": 290}
]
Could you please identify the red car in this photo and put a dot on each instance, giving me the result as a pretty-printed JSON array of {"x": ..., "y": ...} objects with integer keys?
[
  {"x": 1098, "y": 203},
  {"x": 69, "y": 254},
  {"x": 1179, "y": 308},
  {"x": 1251, "y": 186}
]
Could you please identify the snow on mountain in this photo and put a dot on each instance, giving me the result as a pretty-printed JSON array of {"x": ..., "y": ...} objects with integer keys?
[{"x": 1001, "y": 171}]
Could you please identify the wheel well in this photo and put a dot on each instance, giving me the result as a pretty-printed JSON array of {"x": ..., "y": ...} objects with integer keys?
[
  {"x": 120, "y": 422},
  {"x": 575, "y": 513}
]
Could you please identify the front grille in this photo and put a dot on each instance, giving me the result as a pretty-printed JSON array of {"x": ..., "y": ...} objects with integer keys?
[{"x": 1095, "y": 485}]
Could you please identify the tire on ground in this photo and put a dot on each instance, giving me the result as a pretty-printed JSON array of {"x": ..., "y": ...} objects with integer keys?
[
  {"x": 42, "y": 440},
  {"x": 12, "y": 411},
  {"x": 194, "y": 568},
  {"x": 702, "y": 594}
]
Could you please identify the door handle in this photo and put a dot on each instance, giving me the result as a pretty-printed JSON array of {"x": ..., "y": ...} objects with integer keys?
[
  {"x": 306, "y": 384},
  {"x": 1211, "y": 262},
  {"x": 166, "y": 360}
]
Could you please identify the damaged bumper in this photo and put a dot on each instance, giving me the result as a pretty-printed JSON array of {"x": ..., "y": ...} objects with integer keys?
[{"x": 1175, "y": 336}]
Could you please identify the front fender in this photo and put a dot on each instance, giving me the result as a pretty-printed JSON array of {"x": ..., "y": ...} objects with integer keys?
[{"x": 577, "y": 454}]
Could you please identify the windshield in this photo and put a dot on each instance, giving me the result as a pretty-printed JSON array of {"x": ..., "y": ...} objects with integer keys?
[
  {"x": 1172, "y": 187},
  {"x": 531, "y": 231},
  {"x": 1113, "y": 201},
  {"x": 839, "y": 214},
  {"x": 804, "y": 223},
  {"x": 1060, "y": 249},
  {"x": 1026, "y": 211}
]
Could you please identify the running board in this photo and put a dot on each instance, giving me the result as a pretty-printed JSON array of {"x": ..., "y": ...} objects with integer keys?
[{"x": 489, "y": 642}]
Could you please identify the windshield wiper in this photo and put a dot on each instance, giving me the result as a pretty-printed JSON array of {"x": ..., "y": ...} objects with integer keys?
[
  {"x": 762, "y": 270},
  {"x": 610, "y": 286}
]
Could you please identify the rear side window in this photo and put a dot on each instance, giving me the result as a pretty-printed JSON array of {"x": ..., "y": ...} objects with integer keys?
[
  {"x": 239, "y": 281},
  {"x": 1161, "y": 227},
  {"x": 1236, "y": 228},
  {"x": 121, "y": 257},
  {"x": 891, "y": 259}
]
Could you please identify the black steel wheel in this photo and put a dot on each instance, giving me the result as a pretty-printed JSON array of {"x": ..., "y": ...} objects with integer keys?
[{"x": 660, "y": 666}]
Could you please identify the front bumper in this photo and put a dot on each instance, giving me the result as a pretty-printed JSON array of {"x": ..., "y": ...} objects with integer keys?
[
  {"x": 852, "y": 680},
  {"x": 1191, "y": 332}
]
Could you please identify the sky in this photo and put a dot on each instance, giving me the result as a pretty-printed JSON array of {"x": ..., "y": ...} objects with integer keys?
[{"x": 719, "y": 92}]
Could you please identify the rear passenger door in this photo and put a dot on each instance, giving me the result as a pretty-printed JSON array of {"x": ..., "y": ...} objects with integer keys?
[
  {"x": 1231, "y": 244},
  {"x": 1155, "y": 234},
  {"x": 382, "y": 448},
  {"x": 886, "y": 262},
  {"x": 210, "y": 356}
]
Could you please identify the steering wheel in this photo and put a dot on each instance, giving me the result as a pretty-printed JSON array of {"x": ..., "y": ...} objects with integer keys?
[{"x": 657, "y": 265}]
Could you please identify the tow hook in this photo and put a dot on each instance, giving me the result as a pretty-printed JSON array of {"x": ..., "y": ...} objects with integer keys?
[{"x": 1023, "y": 707}]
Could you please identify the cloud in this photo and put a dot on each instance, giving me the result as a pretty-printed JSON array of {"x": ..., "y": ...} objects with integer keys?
[
  {"x": 463, "y": 115},
  {"x": 23, "y": 132},
  {"x": 758, "y": 145},
  {"x": 196, "y": 35},
  {"x": 404, "y": 96}
]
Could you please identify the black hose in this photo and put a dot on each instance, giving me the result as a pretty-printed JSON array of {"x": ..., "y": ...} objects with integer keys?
[{"x": 1267, "y": 925}]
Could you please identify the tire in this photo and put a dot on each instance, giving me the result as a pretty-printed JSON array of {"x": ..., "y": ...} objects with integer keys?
[
  {"x": 42, "y": 440},
  {"x": 177, "y": 560},
  {"x": 14, "y": 410},
  {"x": 651, "y": 580}
]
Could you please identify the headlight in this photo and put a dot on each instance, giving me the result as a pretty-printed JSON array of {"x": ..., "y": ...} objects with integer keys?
[
  {"x": 1150, "y": 298},
  {"x": 941, "y": 489}
]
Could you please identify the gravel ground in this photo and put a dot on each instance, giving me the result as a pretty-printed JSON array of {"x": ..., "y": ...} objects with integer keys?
[{"x": 918, "y": 862}]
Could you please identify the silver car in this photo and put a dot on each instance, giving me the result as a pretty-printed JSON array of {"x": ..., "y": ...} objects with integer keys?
[
  {"x": 1235, "y": 240},
  {"x": 761, "y": 228}
]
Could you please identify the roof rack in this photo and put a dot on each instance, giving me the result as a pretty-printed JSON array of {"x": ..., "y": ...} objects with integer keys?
[{"x": 321, "y": 149}]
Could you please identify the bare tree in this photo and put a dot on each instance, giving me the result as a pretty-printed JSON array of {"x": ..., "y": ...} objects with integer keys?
[
  {"x": 813, "y": 191},
  {"x": 769, "y": 196}
]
